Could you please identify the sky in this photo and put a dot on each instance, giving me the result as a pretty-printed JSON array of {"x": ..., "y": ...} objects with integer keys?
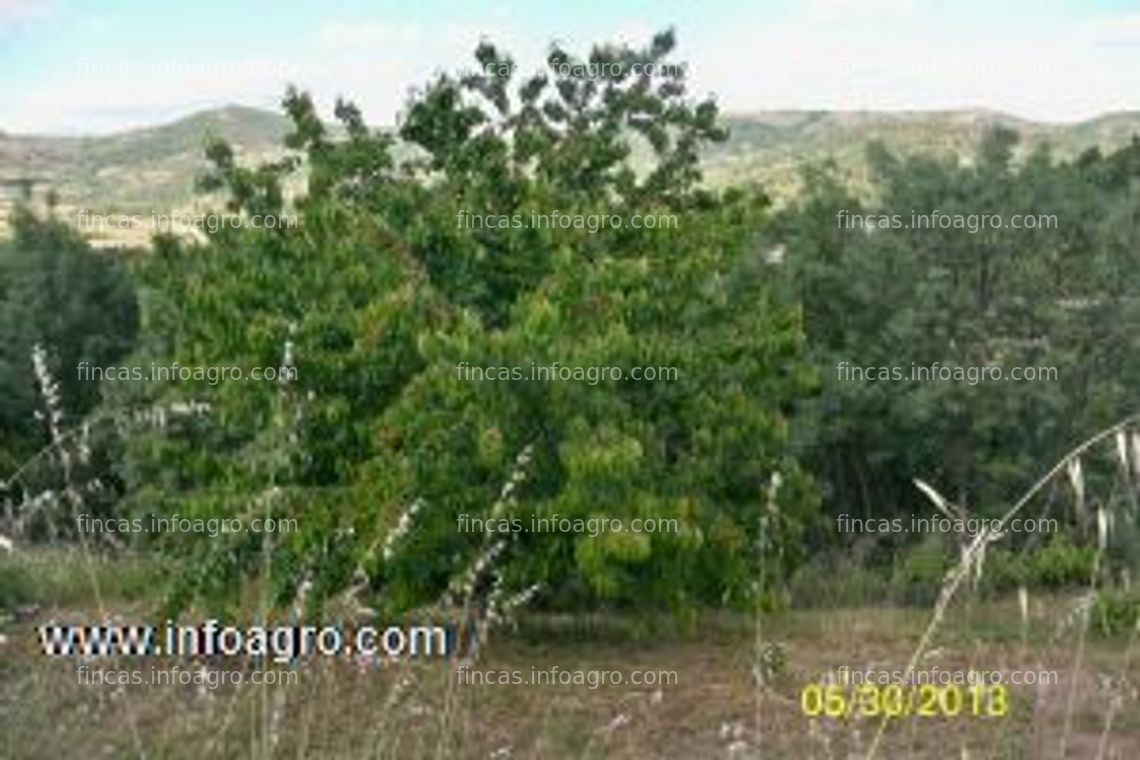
[{"x": 98, "y": 66}]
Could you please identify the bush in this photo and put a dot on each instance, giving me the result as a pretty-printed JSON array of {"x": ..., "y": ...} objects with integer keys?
[
  {"x": 78, "y": 303},
  {"x": 918, "y": 577},
  {"x": 1005, "y": 570},
  {"x": 1059, "y": 564},
  {"x": 16, "y": 585},
  {"x": 1116, "y": 612},
  {"x": 829, "y": 584}
]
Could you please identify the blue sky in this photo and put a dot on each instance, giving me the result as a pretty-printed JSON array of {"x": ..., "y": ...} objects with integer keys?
[{"x": 82, "y": 66}]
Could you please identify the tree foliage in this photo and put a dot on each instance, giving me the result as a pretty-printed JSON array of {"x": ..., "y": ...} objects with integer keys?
[
  {"x": 1062, "y": 295},
  {"x": 78, "y": 303},
  {"x": 383, "y": 293}
]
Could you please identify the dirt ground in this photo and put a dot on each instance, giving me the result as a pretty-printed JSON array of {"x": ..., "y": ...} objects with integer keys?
[{"x": 705, "y": 704}]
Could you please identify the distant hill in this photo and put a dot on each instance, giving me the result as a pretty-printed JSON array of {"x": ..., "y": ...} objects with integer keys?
[
  {"x": 771, "y": 147},
  {"x": 137, "y": 169},
  {"x": 143, "y": 170}
]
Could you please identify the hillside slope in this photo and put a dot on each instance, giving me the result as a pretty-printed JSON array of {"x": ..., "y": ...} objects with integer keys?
[{"x": 153, "y": 169}]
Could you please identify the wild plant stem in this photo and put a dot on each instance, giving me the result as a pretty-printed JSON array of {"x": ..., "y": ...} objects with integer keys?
[{"x": 955, "y": 580}]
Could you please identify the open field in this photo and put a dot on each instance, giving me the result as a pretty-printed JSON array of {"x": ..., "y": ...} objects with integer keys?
[{"x": 341, "y": 708}]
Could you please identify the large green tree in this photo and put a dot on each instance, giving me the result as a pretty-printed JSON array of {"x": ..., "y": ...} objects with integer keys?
[{"x": 382, "y": 292}]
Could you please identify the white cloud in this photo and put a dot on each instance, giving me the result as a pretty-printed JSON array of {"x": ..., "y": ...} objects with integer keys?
[
  {"x": 1123, "y": 29},
  {"x": 107, "y": 95},
  {"x": 345, "y": 34},
  {"x": 840, "y": 9},
  {"x": 1038, "y": 71},
  {"x": 900, "y": 60},
  {"x": 16, "y": 12}
]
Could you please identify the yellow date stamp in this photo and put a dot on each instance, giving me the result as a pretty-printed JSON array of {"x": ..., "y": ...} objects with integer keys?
[{"x": 904, "y": 700}]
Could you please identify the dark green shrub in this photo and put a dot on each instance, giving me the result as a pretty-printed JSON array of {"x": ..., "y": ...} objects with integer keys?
[
  {"x": 16, "y": 585},
  {"x": 1059, "y": 564},
  {"x": 919, "y": 574},
  {"x": 1116, "y": 612}
]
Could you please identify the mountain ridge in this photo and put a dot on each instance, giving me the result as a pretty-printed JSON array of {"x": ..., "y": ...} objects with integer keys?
[{"x": 146, "y": 168}]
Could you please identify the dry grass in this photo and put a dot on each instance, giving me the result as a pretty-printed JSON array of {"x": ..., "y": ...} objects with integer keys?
[
  {"x": 349, "y": 709},
  {"x": 340, "y": 709}
]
